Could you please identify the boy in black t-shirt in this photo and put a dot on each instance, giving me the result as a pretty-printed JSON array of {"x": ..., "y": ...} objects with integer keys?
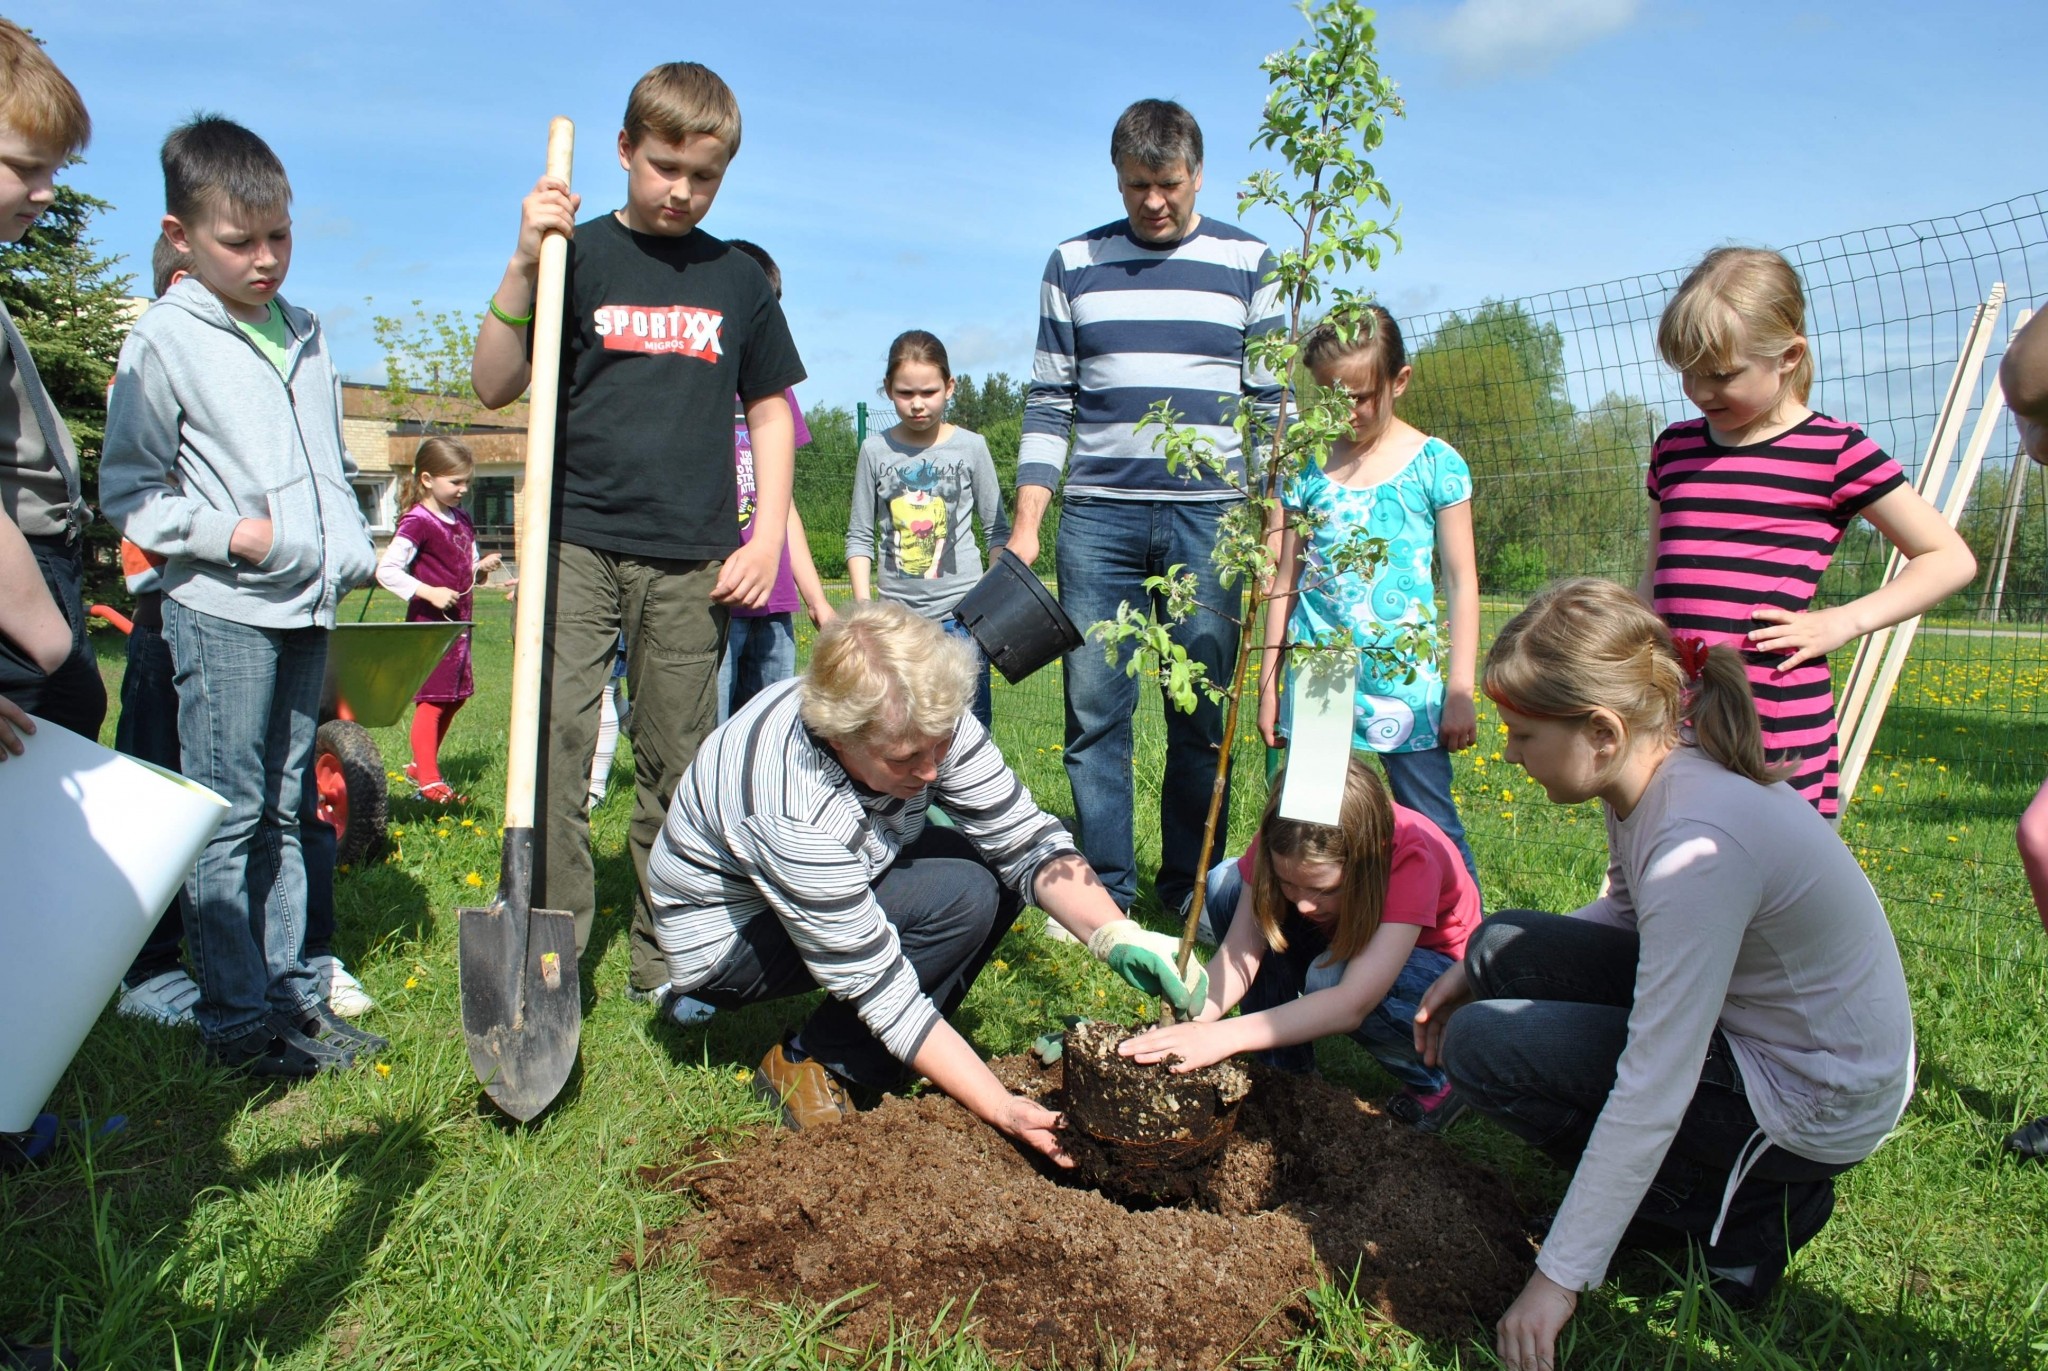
[{"x": 665, "y": 324}]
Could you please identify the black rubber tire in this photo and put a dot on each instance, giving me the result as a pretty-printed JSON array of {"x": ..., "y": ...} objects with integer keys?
[{"x": 362, "y": 770}]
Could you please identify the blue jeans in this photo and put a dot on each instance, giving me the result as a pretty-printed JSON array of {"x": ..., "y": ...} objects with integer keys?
[
  {"x": 1421, "y": 781},
  {"x": 148, "y": 729},
  {"x": 248, "y": 700},
  {"x": 1106, "y": 549},
  {"x": 1388, "y": 1032},
  {"x": 760, "y": 650},
  {"x": 983, "y": 707}
]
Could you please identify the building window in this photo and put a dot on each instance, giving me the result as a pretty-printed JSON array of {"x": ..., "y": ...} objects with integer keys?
[
  {"x": 490, "y": 505},
  {"x": 374, "y": 496}
]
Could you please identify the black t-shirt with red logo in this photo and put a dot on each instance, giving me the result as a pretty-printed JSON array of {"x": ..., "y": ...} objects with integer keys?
[{"x": 661, "y": 333}]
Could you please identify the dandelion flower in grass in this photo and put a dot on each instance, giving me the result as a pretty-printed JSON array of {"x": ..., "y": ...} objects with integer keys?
[
  {"x": 473, "y": 879},
  {"x": 469, "y": 823},
  {"x": 1002, "y": 965},
  {"x": 412, "y": 983},
  {"x": 441, "y": 833},
  {"x": 383, "y": 1068}
]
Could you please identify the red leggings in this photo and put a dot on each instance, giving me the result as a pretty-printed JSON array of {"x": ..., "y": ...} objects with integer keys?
[{"x": 430, "y": 722}]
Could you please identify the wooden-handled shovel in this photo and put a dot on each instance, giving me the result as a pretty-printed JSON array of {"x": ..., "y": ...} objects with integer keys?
[{"x": 521, "y": 1000}]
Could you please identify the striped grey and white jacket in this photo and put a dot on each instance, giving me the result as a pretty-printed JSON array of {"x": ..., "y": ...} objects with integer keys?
[{"x": 765, "y": 819}]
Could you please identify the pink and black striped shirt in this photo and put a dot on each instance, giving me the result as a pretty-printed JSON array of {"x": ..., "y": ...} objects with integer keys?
[{"x": 1743, "y": 527}]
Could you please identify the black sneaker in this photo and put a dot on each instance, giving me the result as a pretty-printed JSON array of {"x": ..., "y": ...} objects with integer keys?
[
  {"x": 1749, "y": 1287},
  {"x": 274, "y": 1050},
  {"x": 322, "y": 1024},
  {"x": 2031, "y": 1142}
]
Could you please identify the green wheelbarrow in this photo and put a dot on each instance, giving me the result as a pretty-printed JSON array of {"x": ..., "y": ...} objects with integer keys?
[{"x": 372, "y": 672}]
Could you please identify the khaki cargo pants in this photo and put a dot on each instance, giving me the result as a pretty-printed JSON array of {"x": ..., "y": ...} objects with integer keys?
[{"x": 674, "y": 636}]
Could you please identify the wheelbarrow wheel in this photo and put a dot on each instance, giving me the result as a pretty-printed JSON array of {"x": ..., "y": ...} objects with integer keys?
[{"x": 349, "y": 772}]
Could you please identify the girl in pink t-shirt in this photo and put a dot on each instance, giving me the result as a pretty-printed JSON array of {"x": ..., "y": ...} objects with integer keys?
[{"x": 1331, "y": 930}]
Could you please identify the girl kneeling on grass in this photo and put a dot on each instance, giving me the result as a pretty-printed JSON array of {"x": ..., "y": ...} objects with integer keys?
[
  {"x": 1708, "y": 1044},
  {"x": 1331, "y": 930},
  {"x": 433, "y": 564}
]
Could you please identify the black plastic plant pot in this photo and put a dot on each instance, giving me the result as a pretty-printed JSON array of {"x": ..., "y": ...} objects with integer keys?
[{"x": 1015, "y": 619}]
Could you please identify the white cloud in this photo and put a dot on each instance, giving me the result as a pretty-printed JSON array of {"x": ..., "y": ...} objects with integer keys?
[{"x": 1484, "y": 38}]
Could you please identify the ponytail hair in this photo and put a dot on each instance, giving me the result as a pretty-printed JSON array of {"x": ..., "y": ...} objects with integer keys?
[
  {"x": 1361, "y": 845},
  {"x": 438, "y": 455},
  {"x": 1588, "y": 644}
]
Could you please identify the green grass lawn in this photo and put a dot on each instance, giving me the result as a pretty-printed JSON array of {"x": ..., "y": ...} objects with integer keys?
[{"x": 384, "y": 1218}]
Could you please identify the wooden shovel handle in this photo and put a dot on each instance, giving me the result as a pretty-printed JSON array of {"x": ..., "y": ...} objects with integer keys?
[{"x": 536, "y": 515}]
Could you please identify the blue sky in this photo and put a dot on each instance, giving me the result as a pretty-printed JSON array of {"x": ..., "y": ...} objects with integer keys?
[{"x": 912, "y": 165}]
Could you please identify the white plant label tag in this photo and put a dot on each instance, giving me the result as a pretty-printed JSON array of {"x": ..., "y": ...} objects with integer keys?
[{"x": 1319, "y": 737}]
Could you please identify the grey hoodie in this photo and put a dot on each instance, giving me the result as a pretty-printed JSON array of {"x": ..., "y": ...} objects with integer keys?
[{"x": 202, "y": 432}]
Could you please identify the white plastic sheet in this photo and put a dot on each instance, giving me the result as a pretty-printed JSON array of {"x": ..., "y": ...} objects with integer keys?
[
  {"x": 1319, "y": 737},
  {"x": 92, "y": 844}
]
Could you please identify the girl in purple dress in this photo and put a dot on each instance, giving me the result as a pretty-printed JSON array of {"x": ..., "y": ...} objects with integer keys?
[{"x": 432, "y": 562}]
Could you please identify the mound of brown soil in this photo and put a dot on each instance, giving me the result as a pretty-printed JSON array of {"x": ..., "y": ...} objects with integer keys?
[{"x": 929, "y": 1206}]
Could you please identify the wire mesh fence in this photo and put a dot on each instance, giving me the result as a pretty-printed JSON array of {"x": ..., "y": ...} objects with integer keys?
[{"x": 1554, "y": 399}]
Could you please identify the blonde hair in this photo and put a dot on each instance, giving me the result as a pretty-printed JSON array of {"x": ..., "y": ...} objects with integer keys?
[
  {"x": 1737, "y": 303},
  {"x": 1361, "y": 845},
  {"x": 438, "y": 455},
  {"x": 677, "y": 99},
  {"x": 881, "y": 673},
  {"x": 36, "y": 99},
  {"x": 1588, "y": 644}
]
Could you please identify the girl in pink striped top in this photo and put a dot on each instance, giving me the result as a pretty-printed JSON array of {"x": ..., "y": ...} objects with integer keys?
[{"x": 1749, "y": 501}]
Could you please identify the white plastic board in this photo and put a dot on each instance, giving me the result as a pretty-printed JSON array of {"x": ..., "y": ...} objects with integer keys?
[
  {"x": 92, "y": 844},
  {"x": 1318, "y": 737}
]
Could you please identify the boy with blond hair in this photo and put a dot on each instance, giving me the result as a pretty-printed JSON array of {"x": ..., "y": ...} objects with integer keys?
[
  {"x": 224, "y": 455},
  {"x": 47, "y": 665},
  {"x": 665, "y": 325}
]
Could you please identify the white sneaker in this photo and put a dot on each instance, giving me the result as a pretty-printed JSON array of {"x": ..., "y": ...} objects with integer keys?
[
  {"x": 1057, "y": 931},
  {"x": 345, "y": 994},
  {"x": 165, "y": 998}
]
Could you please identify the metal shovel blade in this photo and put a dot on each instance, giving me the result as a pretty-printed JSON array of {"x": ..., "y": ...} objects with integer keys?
[{"x": 522, "y": 1009}]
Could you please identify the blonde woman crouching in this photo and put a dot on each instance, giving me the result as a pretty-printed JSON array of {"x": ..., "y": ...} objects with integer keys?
[{"x": 796, "y": 855}]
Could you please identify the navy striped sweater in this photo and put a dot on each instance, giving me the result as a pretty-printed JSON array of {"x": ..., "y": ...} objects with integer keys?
[{"x": 1122, "y": 326}]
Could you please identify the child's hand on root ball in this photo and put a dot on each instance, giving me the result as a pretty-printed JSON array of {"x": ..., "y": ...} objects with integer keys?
[{"x": 1193, "y": 1045}]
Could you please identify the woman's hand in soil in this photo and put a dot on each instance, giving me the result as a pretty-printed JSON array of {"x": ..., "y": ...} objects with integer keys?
[
  {"x": 1526, "y": 1336},
  {"x": 1037, "y": 1127},
  {"x": 1194, "y": 1045},
  {"x": 1439, "y": 1002}
]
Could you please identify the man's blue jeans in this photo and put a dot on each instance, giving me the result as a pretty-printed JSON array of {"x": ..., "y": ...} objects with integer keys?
[
  {"x": 760, "y": 649},
  {"x": 248, "y": 700},
  {"x": 1388, "y": 1032},
  {"x": 1105, "y": 550}
]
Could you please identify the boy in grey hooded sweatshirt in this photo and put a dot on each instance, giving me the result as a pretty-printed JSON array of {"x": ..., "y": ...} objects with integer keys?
[{"x": 224, "y": 454}]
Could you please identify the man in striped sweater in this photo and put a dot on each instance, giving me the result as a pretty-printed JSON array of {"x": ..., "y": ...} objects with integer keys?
[
  {"x": 1156, "y": 306},
  {"x": 796, "y": 856}
]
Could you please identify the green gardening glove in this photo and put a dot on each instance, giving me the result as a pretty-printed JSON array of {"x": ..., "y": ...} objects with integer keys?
[{"x": 1145, "y": 959}]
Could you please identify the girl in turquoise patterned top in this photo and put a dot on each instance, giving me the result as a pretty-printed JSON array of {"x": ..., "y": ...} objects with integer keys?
[{"x": 1395, "y": 482}]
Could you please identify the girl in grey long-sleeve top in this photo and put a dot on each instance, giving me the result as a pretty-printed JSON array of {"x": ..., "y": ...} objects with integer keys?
[
  {"x": 920, "y": 480},
  {"x": 1709, "y": 1043}
]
